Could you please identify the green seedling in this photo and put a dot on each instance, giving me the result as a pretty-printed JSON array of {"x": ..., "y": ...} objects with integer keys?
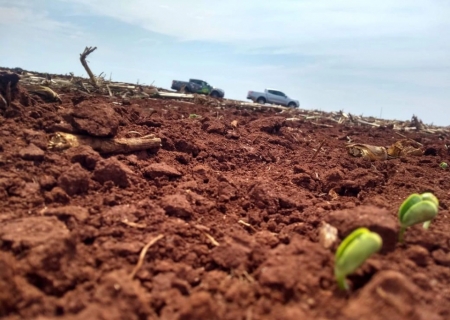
[
  {"x": 443, "y": 165},
  {"x": 194, "y": 116},
  {"x": 417, "y": 208},
  {"x": 356, "y": 248}
]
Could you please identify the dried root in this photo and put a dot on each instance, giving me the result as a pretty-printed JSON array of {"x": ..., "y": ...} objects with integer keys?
[{"x": 143, "y": 253}]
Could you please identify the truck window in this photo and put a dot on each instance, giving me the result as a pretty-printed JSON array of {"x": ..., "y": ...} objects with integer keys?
[{"x": 277, "y": 93}]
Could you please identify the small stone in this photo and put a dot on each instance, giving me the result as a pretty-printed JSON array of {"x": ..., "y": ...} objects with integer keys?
[
  {"x": 112, "y": 170},
  {"x": 32, "y": 153},
  {"x": 57, "y": 195},
  {"x": 232, "y": 135},
  {"x": 162, "y": 169},
  {"x": 177, "y": 205},
  {"x": 79, "y": 213},
  {"x": 47, "y": 182},
  {"x": 327, "y": 235},
  {"x": 74, "y": 181}
]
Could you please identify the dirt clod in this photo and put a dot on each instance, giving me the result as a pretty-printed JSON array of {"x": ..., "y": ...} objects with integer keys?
[
  {"x": 74, "y": 181},
  {"x": 392, "y": 295},
  {"x": 84, "y": 155},
  {"x": 32, "y": 231},
  {"x": 98, "y": 120},
  {"x": 32, "y": 152},
  {"x": 376, "y": 219},
  {"x": 112, "y": 170},
  {"x": 156, "y": 170},
  {"x": 177, "y": 205}
]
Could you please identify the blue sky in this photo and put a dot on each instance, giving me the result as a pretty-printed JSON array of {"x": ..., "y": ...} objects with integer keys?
[{"x": 364, "y": 57}]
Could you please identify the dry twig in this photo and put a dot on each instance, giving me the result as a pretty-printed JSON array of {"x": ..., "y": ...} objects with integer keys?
[
  {"x": 318, "y": 150},
  {"x": 8, "y": 94},
  {"x": 86, "y": 52},
  {"x": 213, "y": 241},
  {"x": 134, "y": 224},
  {"x": 61, "y": 141},
  {"x": 143, "y": 253},
  {"x": 3, "y": 103},
  {"x": 248, "y": 225}
]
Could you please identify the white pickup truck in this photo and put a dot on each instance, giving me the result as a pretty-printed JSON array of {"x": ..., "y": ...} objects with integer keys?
[{"x": 272, "y": 96}]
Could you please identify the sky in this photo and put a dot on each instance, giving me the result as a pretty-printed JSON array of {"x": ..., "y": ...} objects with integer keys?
[{"x": 371, "y": 58}]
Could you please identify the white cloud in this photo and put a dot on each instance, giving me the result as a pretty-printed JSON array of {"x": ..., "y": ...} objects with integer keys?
[
  {"x": 373, "y": 34},
  {"x": 22, "y": 19},
  {"x": 277, "y": 22}
]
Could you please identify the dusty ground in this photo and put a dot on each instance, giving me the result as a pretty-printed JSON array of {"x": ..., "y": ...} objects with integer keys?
[{"x": 234, "y": 212}]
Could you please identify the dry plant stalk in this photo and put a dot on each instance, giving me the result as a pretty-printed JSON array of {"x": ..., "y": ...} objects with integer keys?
[
  {"x": 404, "y": 147},
  {"x": 61, "y": 141},
  {"x": 401, "y": 148},
  {"x": 143, "y": 253},
  {"x": 210, "y": 237},
  {"x": 3, "y": 103},
  {"x": 248, "y": 225},
  {"x": 318, "y": 150},
  {"x": 86, "y": 52},
  {"x": 134, "y": 224},
  {"x": 8, "y": 94},
  {"x": 43, "y": 91}
]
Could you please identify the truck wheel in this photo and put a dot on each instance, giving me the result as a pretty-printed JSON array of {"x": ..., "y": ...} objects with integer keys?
[
  {"x": 214, "y": 94},
  {"x": 292, "y": 105},
  {"x": 261, "y": 100}
]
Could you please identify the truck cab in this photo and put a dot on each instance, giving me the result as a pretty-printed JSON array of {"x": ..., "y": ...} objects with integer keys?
[{"x": 201, "y": 86}]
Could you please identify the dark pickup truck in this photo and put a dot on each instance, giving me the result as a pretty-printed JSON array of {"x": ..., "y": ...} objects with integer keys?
[{"x": 197, "y": 86}]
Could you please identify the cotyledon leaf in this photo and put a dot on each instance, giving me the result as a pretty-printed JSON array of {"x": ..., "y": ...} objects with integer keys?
[
  {"x": 356, "y": 233},
  {"x": 431, "y": 197},
  {"x": 358, "y": 251},
  {"x": 423, "y": 211},
  {"x": 408, "y": 203}
]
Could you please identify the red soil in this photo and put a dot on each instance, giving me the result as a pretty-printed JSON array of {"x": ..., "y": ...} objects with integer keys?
[{"x": 73, "y": 223}]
